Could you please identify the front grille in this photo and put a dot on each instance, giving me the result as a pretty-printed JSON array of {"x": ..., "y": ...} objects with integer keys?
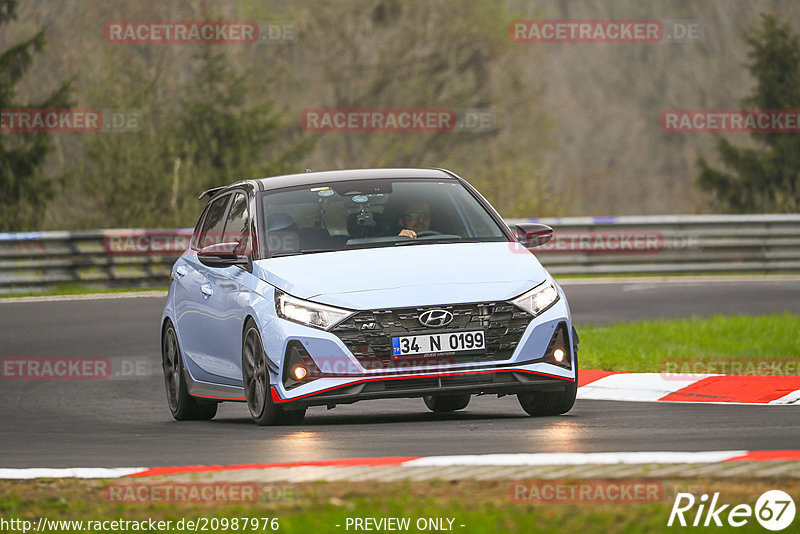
[{"x": 368, "y": 334}]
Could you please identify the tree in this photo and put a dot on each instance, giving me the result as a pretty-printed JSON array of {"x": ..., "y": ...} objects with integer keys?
[
  {"x": 226, "y": 134},
  {"x": 23, "y": 189},
  {"x": 212, "y": 129},
  {"x": 389, "y": 54},
  {"x": 767, "y": 178}
]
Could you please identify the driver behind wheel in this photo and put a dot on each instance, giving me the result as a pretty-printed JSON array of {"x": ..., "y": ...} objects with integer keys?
[{"x": 416, "y": 218}]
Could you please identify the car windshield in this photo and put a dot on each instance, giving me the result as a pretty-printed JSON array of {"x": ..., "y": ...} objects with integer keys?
[{"x": 373, "y": 213}]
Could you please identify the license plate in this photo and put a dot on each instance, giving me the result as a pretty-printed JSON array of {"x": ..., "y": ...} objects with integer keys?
[{"x": 425, "y": 343}]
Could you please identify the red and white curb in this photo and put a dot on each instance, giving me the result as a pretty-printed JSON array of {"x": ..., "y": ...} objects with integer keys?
[
  {"x": 430, "y": 462},
  {"x": 737, "y": 389}
]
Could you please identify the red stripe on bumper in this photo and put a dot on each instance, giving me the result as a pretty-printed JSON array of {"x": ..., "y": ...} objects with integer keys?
[{"x": 277, "y": 398}]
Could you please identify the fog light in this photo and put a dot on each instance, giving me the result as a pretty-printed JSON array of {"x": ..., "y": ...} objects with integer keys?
[
  {"x": 299, "y": 372},
  {"x": 559, "y": 354}
]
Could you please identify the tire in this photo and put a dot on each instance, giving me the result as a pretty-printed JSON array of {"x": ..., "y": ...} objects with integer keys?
[
  {"x": 539, "y": 403},
  {"x": 256, "y": 383},
  {"x": 446, "y": 403},
  {"x": 183, "y": 406},
  {"x": 542, "y": 403},
  {"x": 292, "y": 417}
]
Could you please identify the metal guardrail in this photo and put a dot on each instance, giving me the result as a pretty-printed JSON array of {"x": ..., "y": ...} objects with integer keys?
[
  {"x": 35, "y": 260},
  {"x": 582, "y": 245},
  {"x": 672, "y": 244}
]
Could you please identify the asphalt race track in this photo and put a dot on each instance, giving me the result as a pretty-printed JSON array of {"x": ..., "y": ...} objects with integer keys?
[{"x": 124, "y": 421}]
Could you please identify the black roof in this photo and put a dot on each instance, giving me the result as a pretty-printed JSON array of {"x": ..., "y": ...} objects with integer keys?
[
  {"x": 249, "y": 185},
  {"x": 311, "y": 178}
]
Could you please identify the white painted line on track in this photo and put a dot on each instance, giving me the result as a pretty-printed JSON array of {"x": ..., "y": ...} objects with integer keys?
[
  {"x": 71, "y": 472},
  {"x": 421, "y": 468},
  {"x": 91, "y": 296},
  {"x": 577, "y": 458}
]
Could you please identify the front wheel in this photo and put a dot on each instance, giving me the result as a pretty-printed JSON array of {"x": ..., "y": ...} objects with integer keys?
[
  {"x": 183, "y": 406},
  {"x": 540, "y": 403},
  {"x": 292, "y": 417},
  {"x": 257, "y": 386},
  {"x": 446, "y": 403}
]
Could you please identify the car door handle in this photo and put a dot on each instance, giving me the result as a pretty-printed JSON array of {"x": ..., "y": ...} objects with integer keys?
[
  {"x": 206, "y": 290},
  {"x": 180, "y": 271}
]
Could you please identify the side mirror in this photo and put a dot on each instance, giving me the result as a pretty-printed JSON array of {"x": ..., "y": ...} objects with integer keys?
[
  {"x": 533, "y": 234},
  {"x": 224, "y": 255}
]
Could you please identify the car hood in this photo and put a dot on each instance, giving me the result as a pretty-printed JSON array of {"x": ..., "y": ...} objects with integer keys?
[{"x": 416, "y": 275}]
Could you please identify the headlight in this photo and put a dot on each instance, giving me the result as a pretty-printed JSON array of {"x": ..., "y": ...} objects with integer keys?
[
  {"x": 539, "y": 298},
  {"x": 308, "y": 313}
]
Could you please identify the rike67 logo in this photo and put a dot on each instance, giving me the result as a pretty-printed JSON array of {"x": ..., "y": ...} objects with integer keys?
[{"x": 774, "y": 510}]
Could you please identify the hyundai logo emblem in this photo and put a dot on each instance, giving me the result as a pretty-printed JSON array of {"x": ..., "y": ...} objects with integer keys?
[{"x": 436, "y": 318}]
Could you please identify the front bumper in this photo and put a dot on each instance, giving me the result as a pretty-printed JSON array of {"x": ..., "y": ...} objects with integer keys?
[
  {"x": 498, "y": 381},
  {"x": 343, "y": 378}
]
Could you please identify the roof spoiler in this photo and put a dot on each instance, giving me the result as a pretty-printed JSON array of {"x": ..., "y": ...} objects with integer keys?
[
  {"x": 210, "y": 192},
  {"x": 446, "y": 171}
]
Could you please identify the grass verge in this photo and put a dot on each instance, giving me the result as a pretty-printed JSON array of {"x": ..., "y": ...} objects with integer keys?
[
  {"x": 647, "y": 346},
  {"x": 473, "y": 506},
  {"x": 79, "y": 289}
]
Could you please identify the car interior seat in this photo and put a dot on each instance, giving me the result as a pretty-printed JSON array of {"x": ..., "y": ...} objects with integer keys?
[
  {"x": 283, "y": 234},
  {"x": 364, "y": 225}
]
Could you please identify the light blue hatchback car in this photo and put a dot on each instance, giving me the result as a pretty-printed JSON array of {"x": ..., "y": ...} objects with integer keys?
[{"x": 327, "y": 288}]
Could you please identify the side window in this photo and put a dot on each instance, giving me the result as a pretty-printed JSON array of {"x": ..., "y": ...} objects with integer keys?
[
  {"x": 237, "y": 225},
  {"x": 211, "y": 232},
  {"x": 195, "y": 244}
]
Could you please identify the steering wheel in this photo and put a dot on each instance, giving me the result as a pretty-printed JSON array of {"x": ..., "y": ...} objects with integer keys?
[{"x": 426, "y": 233}]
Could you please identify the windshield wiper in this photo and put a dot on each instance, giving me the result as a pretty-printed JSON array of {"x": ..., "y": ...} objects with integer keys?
[
  {"x": 425, "y": 241},
  {"x": 304, "y": 251}
]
